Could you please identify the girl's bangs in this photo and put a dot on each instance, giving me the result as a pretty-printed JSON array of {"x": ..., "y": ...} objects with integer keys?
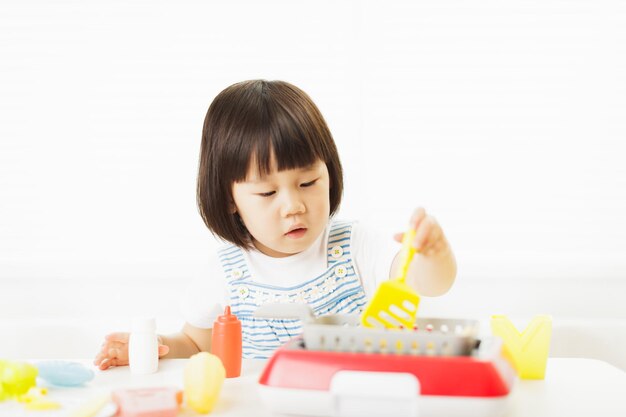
[{"x": 282, "y": 140}]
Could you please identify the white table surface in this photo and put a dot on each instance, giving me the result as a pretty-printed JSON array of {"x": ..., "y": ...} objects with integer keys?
[{"x": 573, "y": 387}]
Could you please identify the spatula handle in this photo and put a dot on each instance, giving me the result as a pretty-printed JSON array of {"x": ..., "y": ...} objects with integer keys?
[{"x": 408, "y": 250}]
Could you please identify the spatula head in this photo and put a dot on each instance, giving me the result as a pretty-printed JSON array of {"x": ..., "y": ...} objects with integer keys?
[{"x": 394, "y": 305}]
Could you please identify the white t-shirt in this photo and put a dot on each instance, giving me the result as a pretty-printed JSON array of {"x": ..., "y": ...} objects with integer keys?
[{"x": 372, "y": 251}]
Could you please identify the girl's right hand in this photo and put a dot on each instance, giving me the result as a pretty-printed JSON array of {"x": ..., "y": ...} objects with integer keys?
[{"x": 114, "y": 351}]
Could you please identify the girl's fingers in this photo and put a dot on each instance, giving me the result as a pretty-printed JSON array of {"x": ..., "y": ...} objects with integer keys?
[
  {"x": 429, "y": 237},
  {"x": 106, "y": 347},
  {"x": 163, "y": 350},
  {"x": 418, "y": 216},
  {"x": 423, "y": 233},
  {"x": 104, "y": 353},
  {"x": 118, "y": 345},
  {"x": 104, "y": 364},
  {"x": 117, "y": 337},
  {"x": 434, "y": 237},
  {"x": 438, "y": 244},
  {"x": 113, "y": 351},
  {"x": 110, "y": 351},
  {"x": 398, "y": 238},
  {"x": 98, "y": 360},
  {"x": 108, "y": 362},
  {"x": 117, "y": 353},
  {"x": 118, "y": 362}
]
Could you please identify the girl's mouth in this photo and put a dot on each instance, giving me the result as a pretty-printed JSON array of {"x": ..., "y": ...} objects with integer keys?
[{"x": 296, "y": 233}]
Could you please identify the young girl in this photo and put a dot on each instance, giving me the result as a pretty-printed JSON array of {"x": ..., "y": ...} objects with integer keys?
[{"x": 269, "y": 183}]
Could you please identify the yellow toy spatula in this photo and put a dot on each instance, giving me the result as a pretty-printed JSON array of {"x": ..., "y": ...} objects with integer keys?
[{"x": 395, "y": 303}]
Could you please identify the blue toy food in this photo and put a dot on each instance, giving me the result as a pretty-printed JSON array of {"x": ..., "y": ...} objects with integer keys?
[{"x": 64, "y": 373}]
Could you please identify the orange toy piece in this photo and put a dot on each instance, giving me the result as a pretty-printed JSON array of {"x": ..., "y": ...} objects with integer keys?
[
  {"x": 226, "y": 342},
  {"x": 147, "y": 402}
]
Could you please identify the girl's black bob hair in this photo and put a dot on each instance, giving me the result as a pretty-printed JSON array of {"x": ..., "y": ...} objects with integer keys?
[{"x": 254, "y": 121}]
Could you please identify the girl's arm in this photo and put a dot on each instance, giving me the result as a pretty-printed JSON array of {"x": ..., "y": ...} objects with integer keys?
[
  {"x": 189, "y": 341},
  {"x": 433, "y": 269}
]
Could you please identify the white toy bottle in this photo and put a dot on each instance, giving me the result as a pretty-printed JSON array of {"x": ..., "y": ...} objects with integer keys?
[{"x": 143, "y": 346}]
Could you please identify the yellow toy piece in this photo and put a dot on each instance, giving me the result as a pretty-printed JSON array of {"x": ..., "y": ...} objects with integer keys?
[
  {"x": 529, "y": 349},
  {"x": 16, "y": 378},
  {"x": 395, "y": 303},
  {"x": 203, "y": 378},
  {"x": 34, "y": 400},
  {"x": 42, "y": 405}
]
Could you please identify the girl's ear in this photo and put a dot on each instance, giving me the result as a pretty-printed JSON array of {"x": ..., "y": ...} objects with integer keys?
[{"x": 232, "y": 208}]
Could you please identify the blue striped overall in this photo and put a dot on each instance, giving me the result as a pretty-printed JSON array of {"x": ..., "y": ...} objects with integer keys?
[{"x": 337, "y": 290}]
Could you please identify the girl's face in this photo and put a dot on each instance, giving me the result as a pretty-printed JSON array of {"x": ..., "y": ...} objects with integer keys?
[{"x": 284, "y": 211}]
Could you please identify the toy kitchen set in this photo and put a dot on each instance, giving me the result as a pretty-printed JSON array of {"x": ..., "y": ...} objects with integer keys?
[{"x": 440, "y": 367}]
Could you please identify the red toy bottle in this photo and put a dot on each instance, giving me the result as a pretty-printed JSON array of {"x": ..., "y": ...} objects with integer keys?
[{"x": 226, "y": 342}]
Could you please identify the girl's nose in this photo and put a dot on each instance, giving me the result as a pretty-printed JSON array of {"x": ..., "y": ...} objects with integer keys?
[{"x": 293, "y": 204}]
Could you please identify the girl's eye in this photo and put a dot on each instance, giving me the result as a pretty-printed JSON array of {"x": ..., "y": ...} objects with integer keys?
[
  {"x": 267, "y": 194},
  {"x": 308, "y": 184}
]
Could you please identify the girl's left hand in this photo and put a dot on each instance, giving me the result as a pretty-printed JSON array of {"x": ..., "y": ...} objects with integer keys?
[{"x": 429, "y": 237}]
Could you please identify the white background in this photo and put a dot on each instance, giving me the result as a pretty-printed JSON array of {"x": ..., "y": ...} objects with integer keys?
[{"x": 505, "y": 119}]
